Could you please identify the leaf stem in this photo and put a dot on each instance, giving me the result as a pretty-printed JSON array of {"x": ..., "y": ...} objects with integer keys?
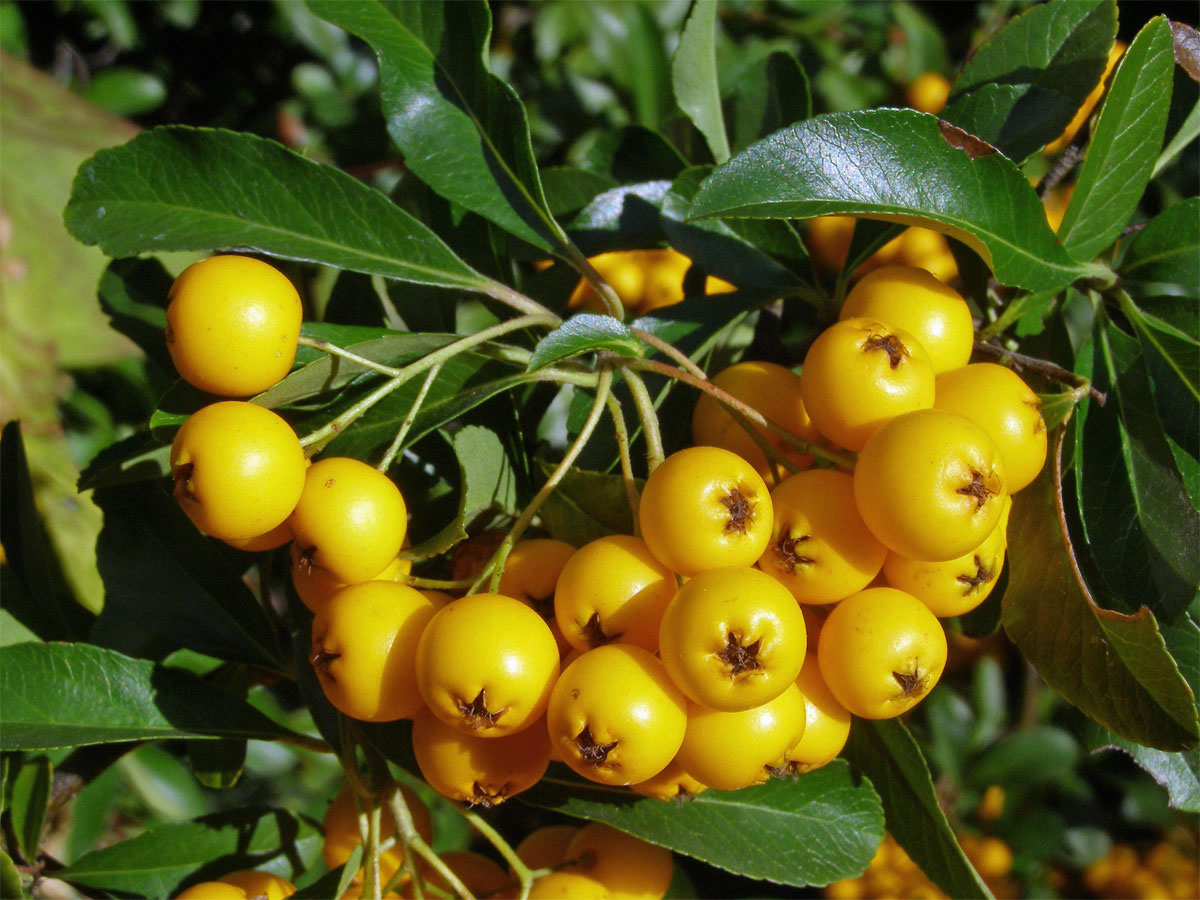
[
  {"x": 647, "y": 415},
  {"x": 414, "y": 842},
  {"x": 523, "y": 872},
  {"x": 325, "y": 346},
  {"x": 317, "y": 439},
  {"x": 495, "y": 566},
  {"x": 668, "y": 350},
  {"x": 371, "y": 849},
  {"x": 838, "y": 458},
  {"x": 510, "y": 297},
  {"x": 622, "y": 435},
  {"x": 612, "y": 303},
  {"x": 1046, "y": 369},
  {"x": 398, "y": 441}
]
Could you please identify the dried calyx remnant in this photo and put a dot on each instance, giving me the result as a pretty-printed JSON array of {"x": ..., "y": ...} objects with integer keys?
[
  {"x": 476, "y": 715},
  {"x": 911, "y": 683},
  {"x": 592, "y": 753},
  {"x": 889, "y": 344},
  {"x": 789, "y": 555},
  {"x": 594, "y": 632},
  {"x": 977, "y": 489},
  {"x": 740, "y": 503},
  {"x": 972, "y": 583},
  {"x": 740, "y": 658}
]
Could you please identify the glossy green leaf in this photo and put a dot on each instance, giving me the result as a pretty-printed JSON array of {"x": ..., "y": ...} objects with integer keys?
[
  {"x": 585, "y": 333},
  {"x": 570, "y": 190},
  {"x": 633, "y": 154},
  {"x": 177, "y": 188},
  {"x": 1167, "y": 250},
  {"x": 218, "y": 764},
  {"x": 45, "y": 605},
  {"x": 886, "y": 753},
  {"x": 487, "y": 483},
  {"x": 185, "y": 588},
  {"x": 694, "y": 77},
  {"x": 71, "y": 695},
  {"x": 742, "y": 251},
  {"x": 29, "y": 795},
  {"x": 163, "y": 860},
  {"x": 900, "y": 166},
  {"x": 1114, "y": 668},
  {"x": 1040, "y": 754},
  {"x": 125, "y": 91},
  {"x": 461, "y": 129},
  {"x": 1021, "y": 88},
  {"x": 816, "y": 829},
  {"x": 621, "y": 218},
  {"x": 133, "y": 294},
  {"x": 771, "y": 95},
  {"x": 1124, "y": 145},
  {"x": 586, "y": 506}
]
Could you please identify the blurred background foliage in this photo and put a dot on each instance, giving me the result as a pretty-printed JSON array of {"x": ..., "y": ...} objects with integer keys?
[{"x": 1040, "y": 815}]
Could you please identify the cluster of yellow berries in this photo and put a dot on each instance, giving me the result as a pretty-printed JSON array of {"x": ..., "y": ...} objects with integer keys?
[
  {"x": 644, "y": 280},
  {"x": 1166, "y": 871},
  {"x": 893, "y": 874}
]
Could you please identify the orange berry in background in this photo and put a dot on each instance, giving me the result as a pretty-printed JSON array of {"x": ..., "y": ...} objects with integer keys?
[
  {"x": 363, "y": 642},
  {"x": 314, "y": 586},
  {"x": 771, "y": 389},
  {"x": 482, "y": 876},
  {"x": 927, "y": 249},
  {"x": 704, "y": 508},
  {"x": 212, "y": 890},
  {"x": 881, "y": 652},
  {"x": 567, "y": 885},
  {"x": 715, "y": 285},
  {"x": 1089, "y": 104},
  {"x": 861, "y": 372},
  {"x": 625, "y": 272},
  {"x": 350, "y": 519},
  {"x": 276, "y": 537},
  {"x": 612, "y": 589},
  {"x": 672, "y": 783},
  {"x": 486, "y": 665},
  {"x": 478, "y": 771},
  {"x": 260, "y": 884},
  {"x": 914, "y": 301},
  {"x": 828, "y": 240},
  {"x": 627, "y": 866},
  {"x": 531, "y": 573},
  {"x": 827, "y": 722},
  {"x": 546, "y": 846},
  {"x": 928, "y": 92},
  {"x": 930, "y": 485},
  {"x": 731, "y": 750},
  {"x": 732, "y": 638},
  {"x": 997, "y": 399},
  {"x": 820, "y": 549},
  {"x": 615, "y": 716},
  {"x": 956, "y": 586},
  {"x": 342, "y": 835},
  {"x": 232, "y": 325},
  {"x": 238, "y": 469},
  {"x": 665, "y": 271}
]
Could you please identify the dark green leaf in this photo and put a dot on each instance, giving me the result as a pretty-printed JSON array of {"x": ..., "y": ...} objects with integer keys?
[
  {"x": 585, "y": 333},
  {"x": 1039, "y": 754},
  {"x": 30, "y": 793},
  {"x": 816, "y": 829},
  {"x": 1114, "y": 668},
  {"x": 133, "y": 293},
  {"x": 621, "y": 218},
  {"x": 1177, "y": 773},
  {"x": 139, "y": 457},
  {"x": 70, "y": 695},
  {"x": 634, "y": 154},
  {"x": 160, "y": 862},
  {"x": 586, "y": 506},
  {"x": 886, "y": 753},
  {"x": 1020, "y": 89},
  {"x": 742, "y": 251},
  {"x": 10, "y": 878},
  {"x": 1124, "y": 145},
  {"x": 461, "y": 129},
  {"x": 164, "y": 576},
  {"x": 1167, "y": 250},
  {"x": 179, "y": 188},
  {"x": 896, "y": 165},
  {"x": 570, "y": 190},
  {"x": 772, "y": 94},
  {"x": 218, "y": 764},
  {"x": 125, "y": 91},
  {"x": 45, "y": 605},
  {"x": 487, "y": 483},
  {"x": 694, "y": 77}
]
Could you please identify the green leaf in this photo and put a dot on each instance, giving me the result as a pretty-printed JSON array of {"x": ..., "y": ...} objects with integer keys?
[
  {"x": 634, "y": 154},
  {"x": 1114, "y": 668},
  {"x": 816, "y": 829},
  {"x": 133, "y": 294},
  {"x": 45, "y": 605},
  {"x": 621, "y": 218},
  {"x": 30, "y": 794},
  {"x": 178, "y": 188},
  {"x": 1177, "y": 773},
  {"x": 487, "y": 483},
  {"x": 772, "y": 94},
  {"x": 1021, "y": 89},
  {"x": 10, "y": 878},
  {"x": 1038, "y": 755},
  {"x": 1133, "y": 500},
  {"x": 694, "y": 77},
  {"x": 586, "y": 506},
  {"x": 164, "y": 577},
  {"x": 461, "y": 129},
  {"x": 125, "y": 91},
  {"x": 1124, "y": 145},
  {"x": 886, "y": 753},
  {"x": 218, "y": 764},
  {"x": 585, "y": 333},
  {"x": 1167, "y": 250},
  {"x": 71, "y": 695},
  {"x": 899, "y": 166},
  {"x": 160, "y": 862},
  {"x": 570, "y": 190},
  {"x": 742, "y": 251}
]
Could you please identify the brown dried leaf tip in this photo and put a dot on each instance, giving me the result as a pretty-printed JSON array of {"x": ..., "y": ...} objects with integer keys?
[
  {"x": 740, "y": 503},
  {"x": 476, "y": 715},
  {"x": 965, "y": 141}
]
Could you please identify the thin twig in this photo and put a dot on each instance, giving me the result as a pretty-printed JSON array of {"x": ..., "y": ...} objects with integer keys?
[
  {"x": 334, "y": 350},
  {"x": 398, "y": 441},
  {"x": 414, "y": 842},
  {"x": 612, "y": 303},
  {"x": 1045, "y": 368},
  {"x": 622, "y": 436},
  {"x": 510, "y": 297},
  {"x": 684, "y": 361},
  {"x": 523, "y": 872},
  {"x": 647, "y": 416}
]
